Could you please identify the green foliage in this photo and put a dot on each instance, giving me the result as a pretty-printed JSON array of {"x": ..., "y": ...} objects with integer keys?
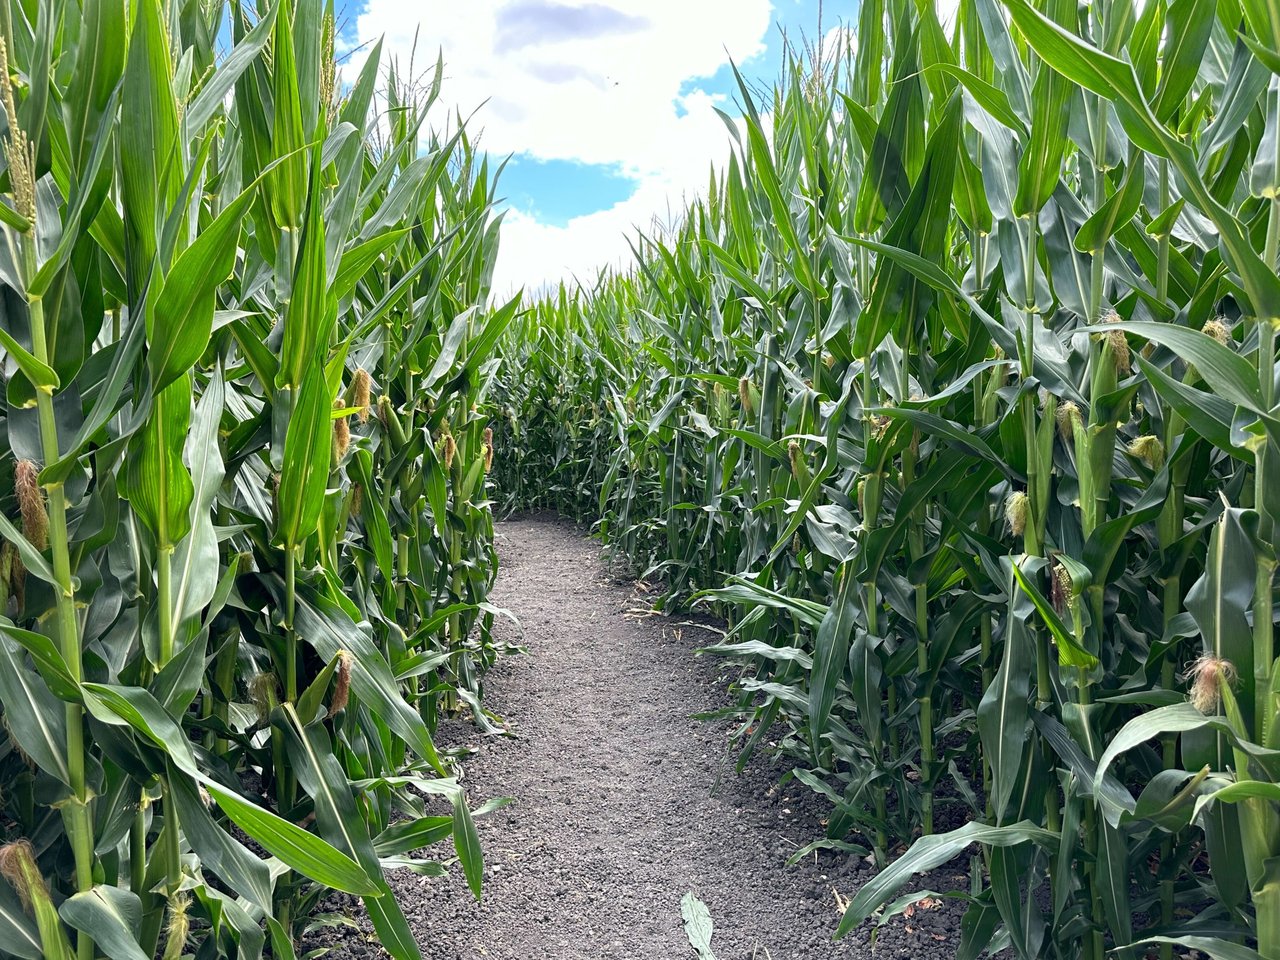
[
  {"x": 247, "y": 345},
  {"x": 957, "y": 397}
]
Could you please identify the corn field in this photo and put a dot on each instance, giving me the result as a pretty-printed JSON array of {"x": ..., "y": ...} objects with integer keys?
[
  {"x": 247, "y": 342},
  {"x": 956, "y": 396}
]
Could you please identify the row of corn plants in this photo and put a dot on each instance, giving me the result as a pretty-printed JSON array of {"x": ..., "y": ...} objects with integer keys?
[
  {"x": 247, "y": 344},
  {"x": 956, "y": 396}
]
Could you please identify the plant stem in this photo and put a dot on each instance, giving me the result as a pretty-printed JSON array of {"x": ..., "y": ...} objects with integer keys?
[
  {"x": 76, "y": 814},
  {"x": 871, "y": 492},
  {"x": 915, "y": 538},
  {"x": 164, "y": 602},
  {"x": 290, "y": 606},
  {"x": 1162, "y": 247},
  {"x": 1097, "y": 270},
  {"x": 1263, "y": 639},
  {"x": 1037, "y": 494},
  {"x": 285, "y": 782}
]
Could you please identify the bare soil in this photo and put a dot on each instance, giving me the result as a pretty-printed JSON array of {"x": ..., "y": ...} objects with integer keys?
[{"x": 625, "y": 801}]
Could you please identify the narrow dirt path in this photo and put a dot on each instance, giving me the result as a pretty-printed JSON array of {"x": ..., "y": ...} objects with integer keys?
[{"x": 624, "y": 800}]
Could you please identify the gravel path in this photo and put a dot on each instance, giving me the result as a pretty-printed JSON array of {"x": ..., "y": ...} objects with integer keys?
[{"x": 625, "y": 801}]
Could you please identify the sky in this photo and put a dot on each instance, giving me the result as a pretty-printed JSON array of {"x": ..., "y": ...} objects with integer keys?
[{"x": 606, "y": 108}]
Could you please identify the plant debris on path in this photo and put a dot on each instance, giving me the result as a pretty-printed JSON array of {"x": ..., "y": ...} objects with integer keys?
[{"x": 625, "y": 801}]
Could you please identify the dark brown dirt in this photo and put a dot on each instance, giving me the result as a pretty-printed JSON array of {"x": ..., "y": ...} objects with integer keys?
[{"x": 625, "y": 801}]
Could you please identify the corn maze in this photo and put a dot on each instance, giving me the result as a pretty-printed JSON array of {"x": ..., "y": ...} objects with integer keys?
[{"x": 953, "y": 397}]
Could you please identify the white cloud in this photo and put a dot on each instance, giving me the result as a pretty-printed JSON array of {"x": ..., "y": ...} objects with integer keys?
[
  {"x": 535, "y": 253},
  {"x": 595, "y": 81}
]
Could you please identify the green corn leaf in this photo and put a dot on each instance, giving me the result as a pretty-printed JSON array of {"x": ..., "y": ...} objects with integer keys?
[
  {"x": 1261, "y": 17},
  {"x": 157, "y": 484},
  {"x": 35, "y": 717},
  {"x": 111, "y": 916},
  {"x": 281, "y": 942},
  {"x": 376, "y": 525},
  {"x": 1266, "y": 55},
  {"x": 933, "y": 851},
  {"x": 898, "y": 297},
  {"x": 357, "y": 260},
  {"x": 899, "y": 143},
  {"x": 1206, "y": 413},
  {"x": 697, "y": 925},
  {"x": 969, "y": 196},
  {"x": 11, "y": 218},
  {"x": 312, "y": 309},
  {"x": 867, "y": 78},
  {"x": 213, "y": 93},
  {"x": 1264, "y": 178},
  {"x": 404, "y": 837},
  {"x": 1230, "y": 375},
  {"x": 48, "y": 660},
  {"x": 305, "y": 852},
  {"x": 32, "y": 559},
  {"x": 1070, "y": 653},
  {"x": 1119, "y": 209},
  {"x": 38, "y": 372},
  {"x": 963, "y": 440},
  {"x": 147, "y": 142},
  {"x": 287, "y": 185},
  {"x": 308, "y": 40},
  {"x": 1162, "y": 225},
  {"x": 320, "y": 774},
  {"x": 437, "y": 488},
  {"x": 1144, "y": 45},
  {"x": 772, "y": 185},
  {"x": 180, "y": 319},
  {"x": 307, "y": 451},
  {"x": 1010, "y": 72},
  {"x": 1246, "y": 790},
  {"x": 1003, "y": 711},
  {"x": 106, "y": 404},
  {"x": 989, "y": 98},
  {"x": 312, "y": 700},
  {"x": 867, "y": 679},
  {"x": 1190, "y": 23},
  {"x": 338, "y": 820},
  {"x": 831, "y": 650},
  {"x": 218, "y": 850},
  {"x": 758, "y": 648},
  {"x": 751, "y": 594},
  {"x": 467, "y": 843},
  {"x": 328, "y": 629},
  {"x": 1210, "y": 946},
  {"x": 99, "y": 66},
  {"x": 1179, "y": 718},
  {"x": 195, "y": 562},
  {"x": 20, "y": 935},
  {"x": 1040, "y": 165}
]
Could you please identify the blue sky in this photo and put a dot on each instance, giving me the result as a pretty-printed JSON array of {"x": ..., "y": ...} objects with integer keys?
[
  {"x": 558, "y": 190},
  {"x": 606, "y": 107}
]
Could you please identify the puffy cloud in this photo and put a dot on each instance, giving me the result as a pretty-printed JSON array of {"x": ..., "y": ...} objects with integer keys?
[
  {"x": 535, "y": 22},
  {"x": 601, "y": 82}
]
